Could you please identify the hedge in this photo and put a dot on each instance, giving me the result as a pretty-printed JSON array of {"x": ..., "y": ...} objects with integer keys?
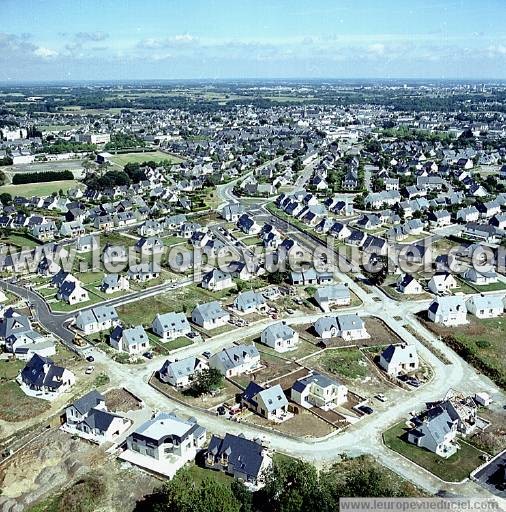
[{"x": 41, "y": 177}]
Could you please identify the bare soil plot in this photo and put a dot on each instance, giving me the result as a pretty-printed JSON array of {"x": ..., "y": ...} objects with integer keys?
[
  {"x": 120, "y": 399},
  {"x": 272, "y": 368},
  {"x": 350, "y": 366},
  {"x": 227, "y": 393},
  {"x": 480, "y": 343},
  {"x": 304, "y": 424},
  {"x": 37, "y": 474}
]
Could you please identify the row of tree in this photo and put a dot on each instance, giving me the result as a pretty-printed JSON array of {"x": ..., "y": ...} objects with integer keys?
[
  {"x": 41, "y": 177},
  {"x": 291, "y": 486}
]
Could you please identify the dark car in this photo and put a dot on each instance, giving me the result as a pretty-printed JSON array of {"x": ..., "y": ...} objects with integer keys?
[
  {"x": 221, "y": 410},
  {"x": 366, "y": 409},
  {"x": 413, "y": 382},
  {"x": 191, "y": 334},
  {"x": 206, "y": 354},
  {"x": 90, "y": 359},
  {"x": 148, "y": 355}
]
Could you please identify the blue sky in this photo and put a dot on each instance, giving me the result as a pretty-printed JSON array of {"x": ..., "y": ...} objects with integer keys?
[{"x": 150, "y": 39}]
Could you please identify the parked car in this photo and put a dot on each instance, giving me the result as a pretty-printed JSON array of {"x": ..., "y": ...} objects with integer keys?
[
  {"x": 365, "y": 409},
  {"x": 90, "y": 359},
  {"x": 381, "y": 397},
  {"x": 89, "y": 370},
  {"x": 148, "y": 355},
  {"x": 207, "y": 354}
]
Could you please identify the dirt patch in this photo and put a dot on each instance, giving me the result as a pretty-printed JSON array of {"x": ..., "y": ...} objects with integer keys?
[
  {"x": 56, "y": 460},
  {"x": 304, "y": 424},
  {"x": 121, "y": 400}
]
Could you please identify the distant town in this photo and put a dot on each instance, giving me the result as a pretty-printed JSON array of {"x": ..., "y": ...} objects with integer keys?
[{"x": 267, "y": 293}]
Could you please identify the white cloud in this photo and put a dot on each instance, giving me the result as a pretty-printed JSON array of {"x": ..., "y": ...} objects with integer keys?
[{"x": 45, "y": 53}]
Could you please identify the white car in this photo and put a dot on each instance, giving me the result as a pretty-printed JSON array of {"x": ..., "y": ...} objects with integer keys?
[{"x": 89, "y": 370}]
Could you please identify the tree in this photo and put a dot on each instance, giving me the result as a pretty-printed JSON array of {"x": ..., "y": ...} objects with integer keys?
[
  {"x": 297, "y": 165},
  {"x": 5, "y": 198},
  {"x": 376, "y": 269},
  {"x": 206, "y": 381},
  {"x": 3, "y": 178}
]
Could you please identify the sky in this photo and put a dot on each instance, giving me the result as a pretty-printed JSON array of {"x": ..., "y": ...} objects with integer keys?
[{"x": 219, "y": 39}]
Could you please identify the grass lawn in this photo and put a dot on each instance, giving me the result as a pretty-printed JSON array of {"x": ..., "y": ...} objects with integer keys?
[
  {"x": 9, "y": 369},
  {"x": 481, "y": 343},
  {"x": 183, "y": 341},
  {"x": 20, "y": 241},
  {"x": 251, "y": 240},
  {"x": 492, "y": 287},
  {"x": 199, "y": 474},
  {"x": 172, "y": 240},
  {"x": 64, "y": 307},
  {"x": 454, "y": 469},
  {"x": 117, "y": 239},
  {"x": 139, "y": 157},
  {"x": 38, "y": 189},
  {"x": 347, "y": 362},
  {"x": 16, "y": 406},
  {"x": 179, "y": 299}
]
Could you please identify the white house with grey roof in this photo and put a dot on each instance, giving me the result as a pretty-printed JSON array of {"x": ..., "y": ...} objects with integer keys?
[
  {"x": 280, "y": 336},
  {"x": 448, "y": 311},
  {"x": 178, "y": 373},
  {"x": 89, "y": 418},
  {"x": 435, "y": 431},
  {"x": 133, "y": 340},
  {"x": 97, "y": 319},
  {"x": 442, "y": 282},
  {"x": 169, "y": 326},
  {"x": 236, "y": 360},
  {"x": 318, "y": 390},
  {"x": 164, "y": 443},
  {"x": 210, "y": 315},
  {"x": 249, "y": 302},
  {"x": 408, "y": 285},
  {"x": 397, "y": 359},
  {"x": 333, "y": 295},
  {"x": 216, "y": 280},
  {"x": 480, "y": 277},
  {"x": 270, "y": 403},
  {"x": 350, "y": 327},
  {"x": 485, "y": 306},
  {"x": 114, "y": 283}
]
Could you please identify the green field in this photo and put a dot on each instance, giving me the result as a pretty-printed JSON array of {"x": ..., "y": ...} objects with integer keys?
[
  {"x": 38, "y": 189},
  {"x": 454, "y": 469},
  {"x": 156, "y": 156}
]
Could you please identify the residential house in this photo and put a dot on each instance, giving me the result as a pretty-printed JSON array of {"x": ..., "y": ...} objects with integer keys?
[
  {"x": 442, "y": 282},
  {"x": 270, "y": 402},
  {"x": 210, "y": 315},
  {"x": 236, "y": 360},
  {"x": 164, "y": 443},
  {"x": 100, "y": 318},
  {"x": 133, "y": 341},
  {"x": 114, "y": 283},
  {"x": 216, "y": 280},
  {"x": 448, "y": 311},
  {"x": 349, "y": 327},
  {"x": 169, "y": 326},
  {"x": 485, "y": 306},
  {"x": 72, "y": 293},
  {"x": 398, "y": 359},
  {"x": 42, "y": 378},
  {"x": 436, "y": 432},
  {"x": 408, "y": 285},
  {"x": 179, "y": 373},
  {"x": 480, "y": 277},
  {"x": 143, "y": 272},
  {"x": 89, "y": 418},
  {"x": 249, "y": 302},
  {"x": 280, "y": 336},
  {"x": 244, "y": 459},
  {"x": 333, "y": 295},
  {"x": 319, "y": 390}
]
